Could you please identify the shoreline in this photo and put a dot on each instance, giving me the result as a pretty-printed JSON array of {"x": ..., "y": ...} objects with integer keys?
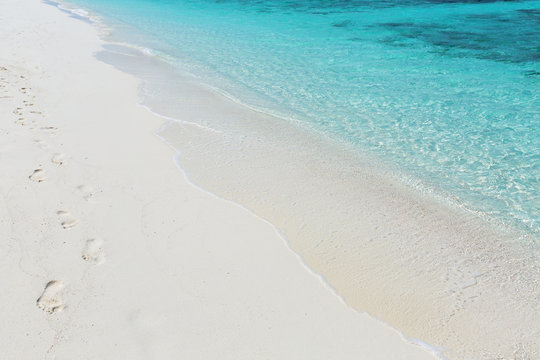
[
  {"x": 427, "y": 232},
  {"x": 418, "y": 342},
  {"x": 123, "y": 34},
  {"x": 109, "y": 252}
]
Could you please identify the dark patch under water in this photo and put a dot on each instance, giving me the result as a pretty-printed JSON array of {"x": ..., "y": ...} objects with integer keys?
[
  {"x": 511, "y": 37},
  {"x": 343, "y": 24}
]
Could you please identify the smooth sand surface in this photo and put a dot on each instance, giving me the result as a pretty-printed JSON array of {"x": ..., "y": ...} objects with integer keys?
[{"x": 108, "y": 252}]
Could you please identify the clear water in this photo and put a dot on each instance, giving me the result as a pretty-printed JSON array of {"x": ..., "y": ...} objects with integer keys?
[{"x": 446, "y": 90}]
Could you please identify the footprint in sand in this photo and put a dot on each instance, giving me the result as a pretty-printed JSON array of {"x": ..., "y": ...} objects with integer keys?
[
  {"x": 38, "y": 175},
  {"x": 50, "y": 300},
  {"x": 66, "y": 219},
  {"x": 42, "y": 145},
  {"x": 88, "y": 193},
  {"x": 93, "y": 252},
  {"x": 58, "y": 159}
]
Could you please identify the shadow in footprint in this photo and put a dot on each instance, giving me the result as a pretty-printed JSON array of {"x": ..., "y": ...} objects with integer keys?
[
  {"x": 48, "y": 128},
  {"x": 38, "y": 175}
]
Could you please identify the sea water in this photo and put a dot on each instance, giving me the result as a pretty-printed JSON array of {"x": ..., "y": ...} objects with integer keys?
[{"x": 446, "y": 91}]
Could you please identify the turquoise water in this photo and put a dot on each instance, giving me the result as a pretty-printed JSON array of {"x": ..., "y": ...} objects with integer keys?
[{"x": 445, "y": 90}]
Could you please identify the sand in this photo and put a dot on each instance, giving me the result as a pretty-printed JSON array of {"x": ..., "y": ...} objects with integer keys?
[{"x": 108, "y": 252}]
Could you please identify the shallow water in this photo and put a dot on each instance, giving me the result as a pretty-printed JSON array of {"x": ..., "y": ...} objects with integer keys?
[{"x": 445, "y": 90}]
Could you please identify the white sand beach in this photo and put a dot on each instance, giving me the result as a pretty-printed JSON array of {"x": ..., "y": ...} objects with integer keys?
[{"x": 108, "y": 252}]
